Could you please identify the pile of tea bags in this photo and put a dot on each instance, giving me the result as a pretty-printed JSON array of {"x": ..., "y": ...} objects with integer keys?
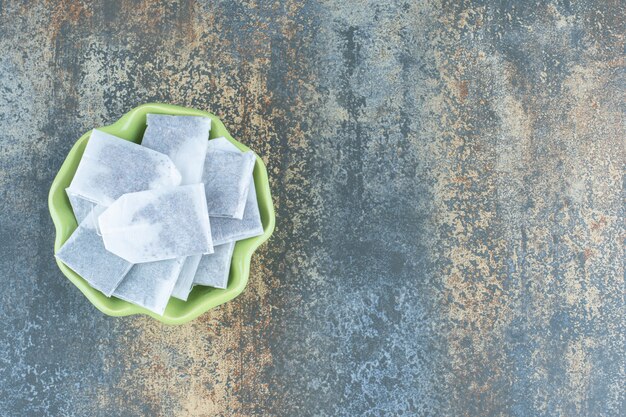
[{"x": 156, "y": 219}]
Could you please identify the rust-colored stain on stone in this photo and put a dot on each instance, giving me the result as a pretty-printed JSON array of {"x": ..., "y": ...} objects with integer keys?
[{"x": 448, "y": 182}]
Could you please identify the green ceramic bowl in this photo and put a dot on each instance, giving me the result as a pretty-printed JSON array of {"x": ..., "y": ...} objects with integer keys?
[{"x": 131, "y": 127}]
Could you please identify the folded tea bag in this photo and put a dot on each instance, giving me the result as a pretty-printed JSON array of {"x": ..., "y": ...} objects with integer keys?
[
  {"x": 226, "y": 179},
  {"x": 214, "y": 269},
  {"x": 111, "y": 166},
  {"x": 149, "y": 285},
  {"x": 85, "y": 254},
  {"x": 185, "y": 278},
  {"x": 183, "y": 138},
  {"x": 223, "y": 144},
  {"x": 160, "y": 224},
  {"x": 225, "y": 230},
  {"x": 80, "y": 206}
]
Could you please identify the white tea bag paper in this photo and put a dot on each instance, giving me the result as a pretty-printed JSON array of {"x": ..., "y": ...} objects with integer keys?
[
  {"x": 183, "y": 138},
  {"x": 159, "y": 224},
  {"x": 150, "y": 284},
  {"x": 226, "y": 178},
  {"x": 226, "y": 230},
  {"x": 229, "y": 230},
  {"x": 185, "y": 278},
  {"x": 80, "y": 206},
  {"x": 111, "y": 167},
  {"x": 214, "y": 269},
  {"x": 85, "y": 254}
]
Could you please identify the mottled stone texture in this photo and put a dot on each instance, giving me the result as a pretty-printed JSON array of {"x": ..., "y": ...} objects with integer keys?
[{"x": 448, "y": 179}]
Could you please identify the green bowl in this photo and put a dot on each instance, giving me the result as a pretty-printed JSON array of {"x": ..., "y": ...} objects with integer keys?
[{"x": 131, "y": 127}]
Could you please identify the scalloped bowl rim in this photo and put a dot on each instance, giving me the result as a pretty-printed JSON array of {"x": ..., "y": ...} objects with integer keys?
[{"x": 130, "y": 127}]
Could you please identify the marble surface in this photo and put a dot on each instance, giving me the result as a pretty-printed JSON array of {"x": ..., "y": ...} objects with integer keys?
[{"x": 448, "y": 180}]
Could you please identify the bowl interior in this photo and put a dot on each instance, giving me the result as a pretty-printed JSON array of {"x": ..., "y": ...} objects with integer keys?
[{"x": 131, "y": 127}]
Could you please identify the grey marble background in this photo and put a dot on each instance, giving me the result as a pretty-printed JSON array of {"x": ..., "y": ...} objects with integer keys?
[{"x": 448, "y": 179}]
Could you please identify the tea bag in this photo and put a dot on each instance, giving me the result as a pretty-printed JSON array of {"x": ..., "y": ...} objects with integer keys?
[
  {"x": 226, "y": 179},
  {"x": 185, "y": 278},
  {"x": 149, "y": 285},
  {"x": 214, "y": 269},
  {"x": 85, "y": 254},
  {"x": 155, "y": 225},
  {"x": 223, "y": 144},
  {"x": 112, "y": 166},
  {"x": 225, "y": 230},
  {"x": 183, "y": 138},
  {"x": 80, "y": 206},
  {"x": 228, "y": 230}
]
